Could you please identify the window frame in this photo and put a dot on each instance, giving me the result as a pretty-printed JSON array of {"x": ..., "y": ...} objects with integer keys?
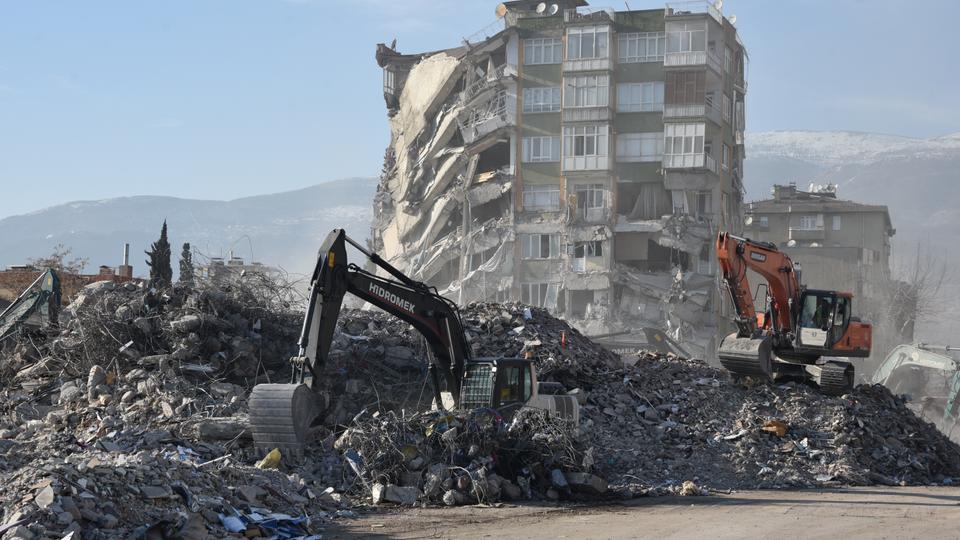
[
  {"x": 637, "y": 89},
  {"x": 577, "y": 89},
  {"x": 531, "y": 45},
  {"x": 533, "y": 102},
  {"x": 551, "y": 192},
  {"x": 584, "y": 134},
  {"x": 624, "y": 41},
  {"x": 641, "y": 141},
  {"x": 575, "y": 48},
  {"x": 529, "y": 144}
]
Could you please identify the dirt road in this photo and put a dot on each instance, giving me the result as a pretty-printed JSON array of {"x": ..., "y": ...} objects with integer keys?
[{"x": 830, "y": 514}]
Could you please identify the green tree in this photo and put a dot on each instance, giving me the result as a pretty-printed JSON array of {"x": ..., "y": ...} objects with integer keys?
[
  {"x": 186, "y": 266},
  {"x": 161, "y": 273}
]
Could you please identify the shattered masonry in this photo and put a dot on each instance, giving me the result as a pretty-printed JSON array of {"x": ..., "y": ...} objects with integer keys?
[{"x": 581, "y": 161}]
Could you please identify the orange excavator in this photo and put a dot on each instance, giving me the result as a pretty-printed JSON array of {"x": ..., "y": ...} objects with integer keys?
[{"x": 800, "y": 333}]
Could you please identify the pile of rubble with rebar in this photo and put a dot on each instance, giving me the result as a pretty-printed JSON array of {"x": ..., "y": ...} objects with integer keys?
[{"x": 130, "y": 420}]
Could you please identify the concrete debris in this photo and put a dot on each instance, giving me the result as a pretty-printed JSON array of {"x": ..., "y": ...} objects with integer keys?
[{"x": 101, "y": 444}]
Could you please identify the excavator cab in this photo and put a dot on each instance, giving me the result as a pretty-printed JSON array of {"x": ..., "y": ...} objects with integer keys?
[{"x": 505, "y": 384}]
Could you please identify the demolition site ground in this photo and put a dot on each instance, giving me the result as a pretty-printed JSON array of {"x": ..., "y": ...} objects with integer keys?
[{"x": 130, "y": 420}]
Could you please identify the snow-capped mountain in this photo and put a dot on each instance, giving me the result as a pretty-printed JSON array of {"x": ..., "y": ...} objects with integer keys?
[
  {"x": 917, "y": 179},
  {"x": 283, "y": 229}
]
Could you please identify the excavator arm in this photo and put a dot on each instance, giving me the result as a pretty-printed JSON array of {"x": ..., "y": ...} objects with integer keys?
[
  {"x": 737, "y": 255},
  {"x": 435, "y": 317},
  {"x": 281, "y": 414}
]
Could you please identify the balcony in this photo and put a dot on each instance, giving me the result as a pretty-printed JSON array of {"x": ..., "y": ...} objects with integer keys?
[
  {"x": 588, "y": 64},
  {"x": 818, "y": 233},
  {"x": 488, "y": 117},
  {"x": 692, "y": 110},
  {"x": 694, "y": 7},
  {"x": 586, "y": 114},
  {"x": 491, "y": 80},
  {"x": 690, "y": 161},
  {"x": 592, "y": 215},
  {"x": 693, "y": 58}
]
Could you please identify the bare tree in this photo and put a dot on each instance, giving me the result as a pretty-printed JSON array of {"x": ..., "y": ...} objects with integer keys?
[
  {"x": 918, "y": 290},
  {"x": 61, "y": 261}
]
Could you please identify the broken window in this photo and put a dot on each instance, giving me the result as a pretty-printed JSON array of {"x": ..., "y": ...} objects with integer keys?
[
  {"x": 541, "y": 99},
  {"x": 837, "y": 224},
  {"x": 587, "y": 91},
  {"x": 541, "y": 197},
  {"x": 686, "y": 36},
  {"x": 540, "y": 149},
  {"x": 725, "y": 158},
  {"x": 727, "y": 60},
  {"x": 639, "y": 147},
  {"x": 590, "y": 201},
  {"x": 592, "y": 248},
  {"x": 542, "y": 51},
  {"x": 587, "y": 42},
  {"x": 642, "y": 47},
  {"x": 640, "y": 97},
  {"x": 704, "y": 206},
  {"x": 727, "y": 110},
  {"x": 389, "y": 81},
  {"x": 539, "y": 294},
  {"x": 539, "y": 246},
  {"x": 652, "y": 202}
]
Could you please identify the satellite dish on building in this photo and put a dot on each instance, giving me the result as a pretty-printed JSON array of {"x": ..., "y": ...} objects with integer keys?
[
  {"x": 718, "y": 4},
  {"x": 733, "y": 19},
  {"x": 748, "y": 221},
  {"x": 792, "y": 243},
  {"x": 501, "y": 10},
  {"x": 553, "y": 9},
  {"x": 541, "y": 7}
]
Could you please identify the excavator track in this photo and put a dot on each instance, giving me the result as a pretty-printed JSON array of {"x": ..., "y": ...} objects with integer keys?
[{"x": 281, "y": 415}]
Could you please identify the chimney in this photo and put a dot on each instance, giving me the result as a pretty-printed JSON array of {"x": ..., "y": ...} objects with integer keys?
[{"x": 125, "y": 271}]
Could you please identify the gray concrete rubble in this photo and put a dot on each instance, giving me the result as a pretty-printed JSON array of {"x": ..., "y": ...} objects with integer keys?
[{"x": 102, "y": 444}]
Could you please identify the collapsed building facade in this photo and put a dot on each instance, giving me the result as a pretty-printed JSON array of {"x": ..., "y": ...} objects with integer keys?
[{"x": 579, "y": 159}]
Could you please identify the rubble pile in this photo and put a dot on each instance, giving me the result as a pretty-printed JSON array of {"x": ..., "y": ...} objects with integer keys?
[
  {"x": 133, "y": 416},
  {"x": 467, "y": 457}
]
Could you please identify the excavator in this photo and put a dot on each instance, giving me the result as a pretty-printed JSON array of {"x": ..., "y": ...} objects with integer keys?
[
  {"x": 281, "y": 415},
  {"x": 800, "y": 334},
  {"x": 37, "y": 306}
]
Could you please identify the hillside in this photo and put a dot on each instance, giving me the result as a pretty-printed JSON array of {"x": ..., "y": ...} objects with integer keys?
[{"x": 282, "y": 229}]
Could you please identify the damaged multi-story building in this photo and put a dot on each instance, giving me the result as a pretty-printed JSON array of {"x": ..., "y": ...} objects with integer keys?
[{"x": 578, "y": 158}]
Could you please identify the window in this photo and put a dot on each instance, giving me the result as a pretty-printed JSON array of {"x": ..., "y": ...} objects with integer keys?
[
  {"x": 593, "y": 248},
  {"x": 389, "y": 82},
  {"x": 541, "y": 99},
  {"x": 810, "y": 223},
  {"x": 539, "y": 294},
  {"x": 643, "y": 47},
  {"x": 541, "y": 197},
  {"x": 542, "y": 51},
  {"x": 590, "y": 201},
  {"x": 683, "y": 139},
  {"x": 727, "y": 109},
  {"x": 725, "y": 158},
  {"x": 639, "y": 147},
  {"x": 587, "y": 42},
  {"x": 541, "y": 149},
  {"x": 686, "y": 36},
  {"x": 704, "y": 207},
  {"x": 837, "y": 224},
  {"x": 588, "y": 91},
  {"x": 640, "y": 97},
  {"x": 685, "y": 87},
  {"x": 585, "y": 141},
  {"x": 727, "y": 60},
  {"x": 539, "y": 246},
  {"x": 764, "y": 221}
]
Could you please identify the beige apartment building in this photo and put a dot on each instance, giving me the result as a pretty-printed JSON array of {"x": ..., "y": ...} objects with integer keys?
[{"x": 571, "y": 157}]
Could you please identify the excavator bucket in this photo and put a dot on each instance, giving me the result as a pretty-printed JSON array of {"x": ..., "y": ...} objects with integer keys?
[
  {"x": 281, "y": 416},
  {"x": 746, "y": 356}
]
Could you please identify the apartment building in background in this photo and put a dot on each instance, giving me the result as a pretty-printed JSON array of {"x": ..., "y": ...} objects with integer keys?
[{"x": 571, "y": 157}]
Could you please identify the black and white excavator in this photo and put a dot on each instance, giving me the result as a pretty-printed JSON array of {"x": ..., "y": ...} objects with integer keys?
[{"x": 282, "y": 414}]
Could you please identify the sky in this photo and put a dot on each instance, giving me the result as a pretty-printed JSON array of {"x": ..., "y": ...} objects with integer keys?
[{"x": 220, "y": 99}]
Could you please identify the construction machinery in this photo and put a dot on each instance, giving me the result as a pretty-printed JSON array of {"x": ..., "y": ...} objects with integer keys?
[
  {"x": 798, "y": 333},
  {"x": 37, "y": 306},
  {"x": 282, "y": 414}
]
